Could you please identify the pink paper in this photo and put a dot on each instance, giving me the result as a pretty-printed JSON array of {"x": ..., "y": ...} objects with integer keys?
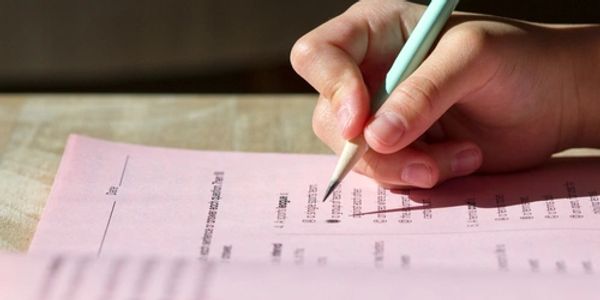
[
  {"x": 111, "y": 198},
  {"x": 257, "y": 217},
  {"x": 60, "y": 277}
]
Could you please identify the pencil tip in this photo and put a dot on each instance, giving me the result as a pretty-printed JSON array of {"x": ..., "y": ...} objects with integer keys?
[{"x": 330, "y": 189}]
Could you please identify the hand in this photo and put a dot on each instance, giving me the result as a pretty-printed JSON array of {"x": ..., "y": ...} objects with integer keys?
[{"x": 494, "y": 95}]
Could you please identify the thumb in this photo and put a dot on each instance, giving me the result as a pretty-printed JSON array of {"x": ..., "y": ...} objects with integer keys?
[{"x": 454, "y": 69}]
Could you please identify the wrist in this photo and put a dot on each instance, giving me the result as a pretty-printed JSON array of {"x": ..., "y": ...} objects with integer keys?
[
  {"x": 586, "y": 77},
  {"x": 579, "y": 64}
]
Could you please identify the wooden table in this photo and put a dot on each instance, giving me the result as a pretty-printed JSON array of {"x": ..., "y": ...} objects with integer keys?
[{"x": 34, "y": 129}]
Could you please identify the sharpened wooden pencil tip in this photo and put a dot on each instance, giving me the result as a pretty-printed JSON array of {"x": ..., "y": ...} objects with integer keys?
[{"x": 330, "y": 189}]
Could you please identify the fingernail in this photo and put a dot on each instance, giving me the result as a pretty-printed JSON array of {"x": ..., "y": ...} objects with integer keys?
[
  {"x": 417, "y": 174},
  {"x": 344, "y": 116},
  {"x": 465, "y": 162},
  {"x": 387, "y": 128}
]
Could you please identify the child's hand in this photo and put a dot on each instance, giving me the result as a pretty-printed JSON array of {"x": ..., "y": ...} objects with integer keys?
[{"x": 494, "y": 95}]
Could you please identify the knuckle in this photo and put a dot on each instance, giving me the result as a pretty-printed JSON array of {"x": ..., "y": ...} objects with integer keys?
[
  {"x": 303, "y": 53},
  {"x": 473, "y": 38},
  {"x": 418, "y": 96},
  {"x": 305, "y": 58},
  {"x": 330, "y": 91},
  {"x": 479, "y": 42}
]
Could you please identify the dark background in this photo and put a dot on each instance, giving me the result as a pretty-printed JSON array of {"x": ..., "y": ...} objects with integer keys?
[{"x": 185, "y": 46}]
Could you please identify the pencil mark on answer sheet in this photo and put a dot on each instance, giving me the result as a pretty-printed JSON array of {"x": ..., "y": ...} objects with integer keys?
[
  {"x": 106, "y": 228},
  {"x": 124, "y": 169}
]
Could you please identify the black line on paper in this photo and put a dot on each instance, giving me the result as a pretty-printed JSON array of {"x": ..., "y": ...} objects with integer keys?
[
  {"x": 124, "y": 169},
  {"x": 106, "y": 228}
]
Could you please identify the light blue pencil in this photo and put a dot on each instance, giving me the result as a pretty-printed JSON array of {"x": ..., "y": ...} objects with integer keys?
[{"x": 410, "y": 57}]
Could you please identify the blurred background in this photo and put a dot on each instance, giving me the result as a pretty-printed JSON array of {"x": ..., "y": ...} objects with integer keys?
[{"x": 187, "y": 46}]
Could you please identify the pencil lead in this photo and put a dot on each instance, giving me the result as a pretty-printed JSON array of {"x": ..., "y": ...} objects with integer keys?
[{"x": 330, "y": 188}]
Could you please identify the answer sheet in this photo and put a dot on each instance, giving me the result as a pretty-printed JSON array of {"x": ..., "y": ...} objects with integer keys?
[{"x": 112, "y": 199}]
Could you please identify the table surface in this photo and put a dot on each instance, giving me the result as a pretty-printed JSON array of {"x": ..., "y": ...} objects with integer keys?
[{"x": 34, "y": 129}]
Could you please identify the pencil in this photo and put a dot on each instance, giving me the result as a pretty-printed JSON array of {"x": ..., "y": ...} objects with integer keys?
[{"x": 410, "y": 57}]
